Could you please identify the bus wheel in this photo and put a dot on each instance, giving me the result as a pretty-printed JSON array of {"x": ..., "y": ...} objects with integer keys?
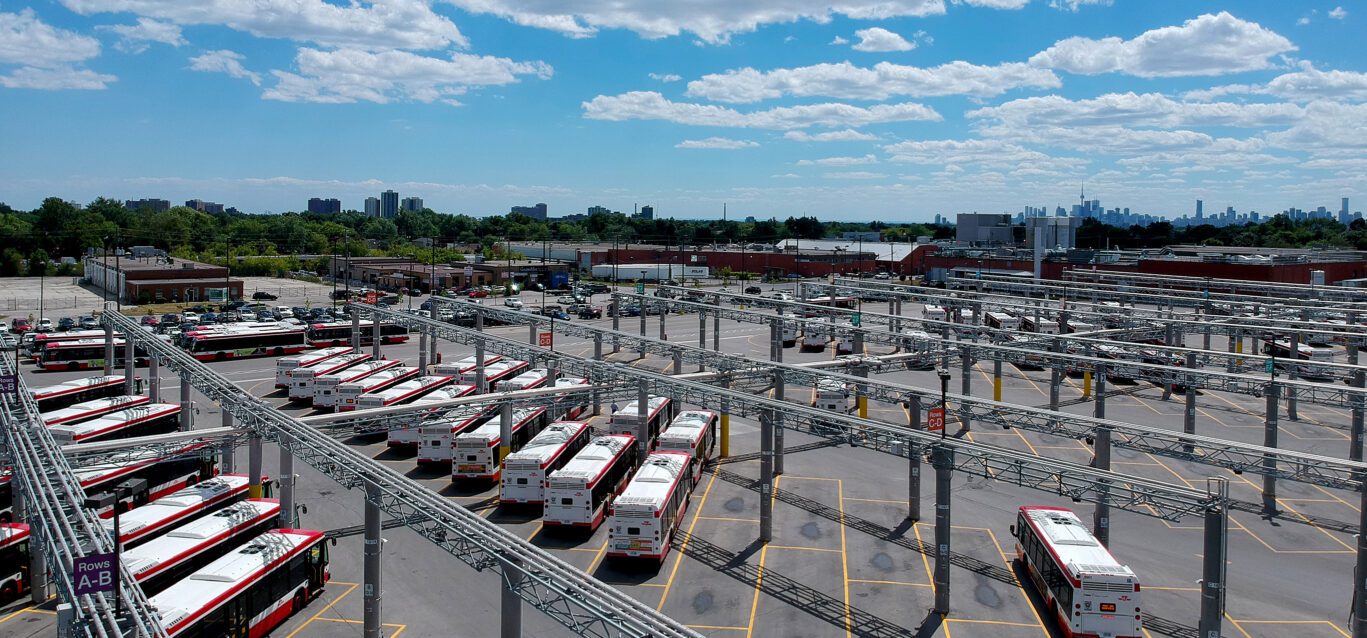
[
  {"x": 277, "y": 352},
  {"x": 300, "y": 600},
  {"x": 9, "y": 592},
  {"x": 222, "y": 356}
]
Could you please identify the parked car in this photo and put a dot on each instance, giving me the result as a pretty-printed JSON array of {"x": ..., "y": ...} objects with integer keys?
[
  {"x": 591, "y": 312},
  {"x": 150, "y": 320},
  {"x": 88, "y": 322},
  {"x": 208, "y": 318},
  {"x": 325, "y": 318},
  {"x": 783, "y": 296},
  {"x": 283, "y": 312},
  {"x": 478, "y": 293},
  {"x": 339, "y": 295},
  {"x": 629, "y": 310},
  {"x": 45, "y": 325},
  {"x": 232, "y": 305},
  {"x": 64, "y": 324},
  {"x": 247, "y": 315},
  {"x": 190, "y": 316},
  {"x": 567, "y": 299},
  {"x": 20, "y": 325},
  {"x": 262, "y": 295},
  {"x": 170, "y": 318},
  {"x": 669, "y": 282},
  {"x": 513, "y": 302},
  {"x": 597, "y": 288},
  {"x": 753, "y": 290},
  {"x": 426, "y": 305}
]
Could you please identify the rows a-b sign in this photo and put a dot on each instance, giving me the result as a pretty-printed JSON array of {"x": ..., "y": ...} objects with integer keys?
[{"x": 93, "y": 573}]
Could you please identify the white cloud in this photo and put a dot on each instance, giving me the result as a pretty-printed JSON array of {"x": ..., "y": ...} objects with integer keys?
[
  {"x": 996, "y": 4},
  {"x": 665, "y": 77},
  {"x": 1306, "y": 85},
  {"x": 1303, "y": 20},
  {"x": 993, "y": 154},
  {"x": 839, "y": 161},
  {"x": 47, "y": 57},
  {"x": 224, "y": 61},
  {"x": 839, "y": 41},
  {"x": 1131, "y": 109},
  {"x": 884, "y": 80},
  {"x": 1207, "y": 45},
  {"x": 847, "y": 135},
  {"x": 878, "y": 39},
  {"x": 135, "y": 38},
  {"x": 712, "y": 21},
  {"x": 786, "y": 176},
  {"x": 1328, "y": 128},
  {"x": 724, "y": 143},
  {"x": 1338, "y": 13},
  {"x": 649, "y": 105},
  {"x": 350, "y": 75},
  {"x": 363, "y": 24},
  {"x": 1073, "y": 5},
  {"x": 854, "y": 175}
]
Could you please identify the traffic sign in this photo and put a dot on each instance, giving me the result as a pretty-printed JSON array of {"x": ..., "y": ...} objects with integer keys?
[
  {"x": 640, "y": 287},
  {"x": 8, "y": 384},
  {"x": 935, "y": 421},
  {"x": 1269, "y": 365},
  {"x": 854, "y": 319},
  {"x": 545, "y": 339},
  {"x": 92, "y": 574}
]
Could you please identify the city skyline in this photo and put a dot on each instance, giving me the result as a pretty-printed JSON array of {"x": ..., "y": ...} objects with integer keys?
[{"x": 847, "y": 113}]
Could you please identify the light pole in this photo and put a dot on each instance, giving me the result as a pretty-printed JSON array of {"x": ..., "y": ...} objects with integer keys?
[
  {"x": 333, "y": 267},
  {"x": 944, "y": 399}
]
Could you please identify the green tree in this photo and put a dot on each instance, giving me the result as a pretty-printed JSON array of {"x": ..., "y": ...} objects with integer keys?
[
  {"x": 39, "y": 263},
  {"x": 11, "y": 261}
]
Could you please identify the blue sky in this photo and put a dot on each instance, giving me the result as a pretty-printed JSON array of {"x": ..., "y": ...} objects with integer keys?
[{"x": 866, "y": 109}]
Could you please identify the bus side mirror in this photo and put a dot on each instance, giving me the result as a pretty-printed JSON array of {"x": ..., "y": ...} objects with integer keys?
[
  {"x": 1012, "y": 527},
  {"x": 333, "y": 539}
]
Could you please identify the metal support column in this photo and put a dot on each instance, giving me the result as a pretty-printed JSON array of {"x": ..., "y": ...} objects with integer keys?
[
  {"x": 375, "y": 338},
  {"x": 1270, "y": 440},
  {"x": 108, "y": 349},
  {"x": 422, "y": 352},
  {"x": 678, "y": 362},
  {"x": 479, "y": 322},
  {"x": 773, "y": 341},
  {"x": 1292, "y": 374},
  {"x": 510, "y": 603},
  {"x": 129, "y": 360},
  {"x": 37, "y": 564},
  {"x": 1355, "y": 442},
  {"x": 663, "y": 336},
  {"x": 966, "y": 385},
  {"x": 254, "y": 466},
  {"x": 944, "y": 353},
  {"x": 1213, "y": 565},
  {"x": 505, "y": 431},
  {"x": 531, "y": 334},
  {"x": 1099, "y": 409},
  {"x": 355, "y": 330},
  {"x": 724, "y": 447},
  {"x": 432, "y": 355},
  {"x": 643, "y": 319},
  {"x": 766, "y": 476},
  {"x": 780, "y": 384},
  {"x": 154, "y": 378},
  {"x": 716, "y": 331},
  {"x": 943, "y": 459},
  {"x": 286, "y": 484},
  {"x": 1360, "y": 571},
  {"x": 1101, "y": 460},
  {"x": 913, "y": 461},
  {"x": 227, "y": 463},
  {"x": 481, "y": 382},
  {"x": 642, "y": 412},
  {"x": 372, "y": 590},
  {"x": 616, "y": 322},
  {"x": 597, "y": 356},
  {"x": 702, "y": 337},
  {"x": 1229, "y": 350},
  {"x": 1054, "y": 379},
  {"x": 997, "y": 378},
  {"x": 1189, "y": 415},
  {"x": 861, "y": 392},
  {"x": 187, "y": 408}
]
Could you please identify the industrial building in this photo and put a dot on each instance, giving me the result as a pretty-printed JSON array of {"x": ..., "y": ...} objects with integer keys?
[{"x": 157, "y": 279}]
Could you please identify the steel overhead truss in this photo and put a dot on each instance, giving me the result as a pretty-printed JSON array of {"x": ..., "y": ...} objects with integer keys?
[
  {"x": 119, "y": 452},
  {"x": 1228, "y": 286},
  {"x": 1202, "y": 296},
  {"x": 576, "y": 600},
  {"x": 1239, "y": 457},
  {"x": 1079, "y": 482},
  {"x": 63, "y": 529}
]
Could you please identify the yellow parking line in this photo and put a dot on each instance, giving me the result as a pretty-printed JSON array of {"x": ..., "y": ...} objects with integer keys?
[
  {"x": 759, "y": 582},
  {"x": 323, "y": 610},
  {"x": 679, "y": 559},
  {"x": 889, "y": 582},
  {"x": 844, "y": 555},
  {"x": 1020, "y": 587},
  {"x": 804, "y": 549},
  {"x": 754, "y": 521}
]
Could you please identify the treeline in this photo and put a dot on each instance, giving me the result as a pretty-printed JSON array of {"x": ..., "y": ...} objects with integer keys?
[{"x": 1277, "y": 232}]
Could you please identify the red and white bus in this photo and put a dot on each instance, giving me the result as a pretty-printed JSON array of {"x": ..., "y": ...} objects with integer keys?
[
  {"x": 164, "y": 475},
  {"x": 345, "y": 397},
  {"x": 325, "y": 386},
  {"x": 436, "y": 439},
  {"x": 251, "y": 590},
  {"x": 476, "y": 454},
  {"x": 164, "y": 560},
  {"x": 405, "y": 433},
  {"x": 141, "y": 524},
  {"x": 525, "y": 471},
  {"x": 153, "y": 418},
  {"x": 578, "y": 494},
  {"x": 87, "y": 410},
  {"x": 627, "y": 419},
  {"x": 643, "y": 518},
  {"x": 400, "y": 393},
  {"x": 85, "y": 354},
  {"x": 573, "y": 404},
  {"x": 302, "y": 379},
  {"x": 14, "y": 561},
  {"x": 1281, "y": 349},
  {"x": 42, "y": 340},
  {"x": 693, "y": 432},
  {"x": 529, "y": 380},
  {"x": 260, "y": 342},
  {"x": 6, "y": 494},
  {"x": 500, "y": 370},
  {"x": 338, "y": 333},
  {"x": 844, "y": 303},
  {"x": 1086, "y": 589},
  {"x": 304, "y": 360},
  {"x": 70, "y": 393},
  {"x": 464, "y": 366}
]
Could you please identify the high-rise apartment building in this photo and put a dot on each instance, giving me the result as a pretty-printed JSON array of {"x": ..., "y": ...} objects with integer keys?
[
  {"x": 1199, "y": 212},
  {"x": 152, "y": 204},
  {"x": 372, "y": 207},
  {"x": 535, "y": 212},
  {"x": 647, "y": 213},
  {"x": 320, "y": 206},
  {"x": 411, "y": 204},
  {"x": 389, "y": 204}
]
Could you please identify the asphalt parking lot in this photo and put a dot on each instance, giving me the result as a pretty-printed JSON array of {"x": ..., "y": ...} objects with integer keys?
[{"x": 844, "y": 560}]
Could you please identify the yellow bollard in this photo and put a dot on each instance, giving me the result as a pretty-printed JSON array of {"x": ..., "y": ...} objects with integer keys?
[
  {"x": 1239, "y": 349},
  {"x": 254, "y": 491},
  {"x": 863, "y": 407},
  {"x": 996, "y": 388},
  {"x": 1087, "y": 384},
  {"x": 725, "y": 435}
]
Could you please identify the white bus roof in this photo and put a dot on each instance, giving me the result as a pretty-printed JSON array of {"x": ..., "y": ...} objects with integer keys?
[
  {"x": 1074, "y": 544},
  {"x": 75, "y": 385},
  {"x": 650, "y": 487},
  {"x": 170, "y": 546},
  {"x": 492, "y": 430},
  {"x": 310, "y": 357},
  {"x": 444, "y": 393},
  {"x": 113, "y": 419},
  {"x": 543, "y": 446},
  {"x": 632, "y": 410},
  {"x": 590, "y": 461},
  {"x": 688, "y": 427},
  {"x": 403, "y": 388},
  {"x": 105, "y": 404},
  {"x": 168, "y": 507},
  {"x": 530, "y": 376}
]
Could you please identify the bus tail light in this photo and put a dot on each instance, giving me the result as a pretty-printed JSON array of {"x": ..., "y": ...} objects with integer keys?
[{"x": 1136, "y": 587}]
